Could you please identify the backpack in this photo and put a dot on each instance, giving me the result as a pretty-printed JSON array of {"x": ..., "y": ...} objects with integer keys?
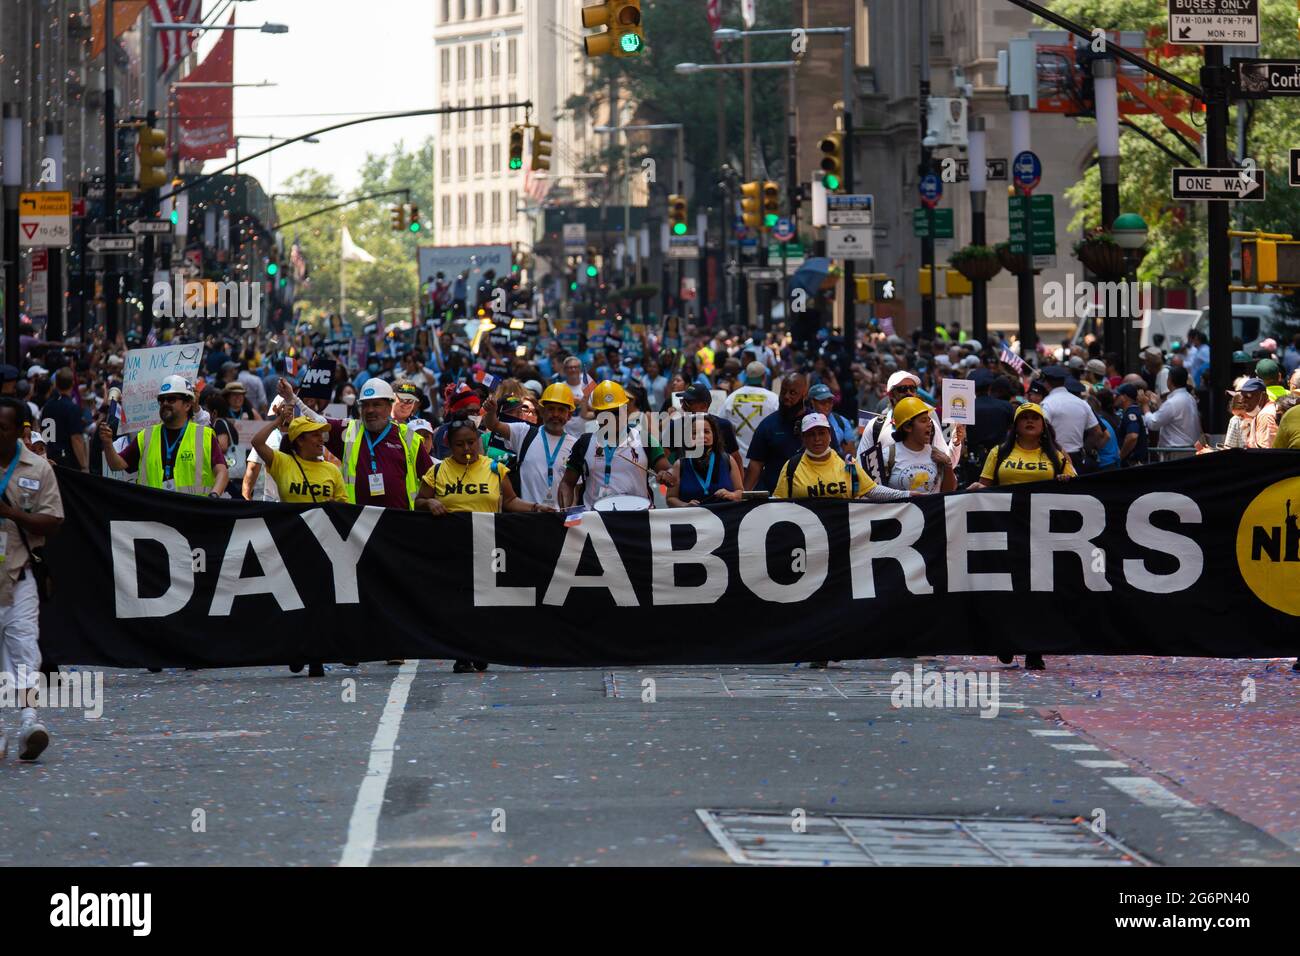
[{"x": 793, "y": 464}]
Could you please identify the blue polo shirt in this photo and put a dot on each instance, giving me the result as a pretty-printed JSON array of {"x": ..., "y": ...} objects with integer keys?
[{"x": 775, "y": 441}]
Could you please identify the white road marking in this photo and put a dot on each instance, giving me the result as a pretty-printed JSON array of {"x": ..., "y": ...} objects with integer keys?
[
  {"x": 1103, "y": 764},
  {"x": 1146, "y": 791},
  {"x": 1052, "y": 733},
  {"x": 363, "y": 828},
  {"x": 1075, "y": 747}
]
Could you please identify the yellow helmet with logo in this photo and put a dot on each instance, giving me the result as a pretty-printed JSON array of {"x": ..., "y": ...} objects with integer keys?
[
  {"x": 558, "y": 393},
  {"x": 608, "y": 395},
  {"x": 908, "y": 409}
]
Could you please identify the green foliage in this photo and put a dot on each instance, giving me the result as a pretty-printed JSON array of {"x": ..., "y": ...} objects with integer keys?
[
  {"x": 1177, "y": 232},
  {"x": 392, "y": 280},
  {"x": 676, "y": 31},
  {"x": 972, "y": 251}
]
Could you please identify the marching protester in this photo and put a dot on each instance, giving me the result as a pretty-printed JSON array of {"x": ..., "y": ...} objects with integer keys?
[
  {"x": 469, "y": 481},
  {"x": 1028, "y": 453},
  {"x": 818, "y": 471},
  {"x": 748, "y": 405},
  {"x": 622, "y": 468},
  {"x": 697, "y": 400},
  {"x": 408, "y": 402},
  {"x": 176, "y": 454},
  {"x": 912, "y": 462},
  {"x": 313, "y": 397},
  {"x": 711, "y": 474},
  {"x": 31, "y": 509},
  {"x": 68, "y": 443},
  {"x": 778, "y": 436},
  {"x": 822, "y": 400},
  {"x": 541, "y": 453},
  {"x": 877, "y": 437}
]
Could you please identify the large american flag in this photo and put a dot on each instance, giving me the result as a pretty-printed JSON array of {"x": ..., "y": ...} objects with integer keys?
[
  {"x": 175, "y": 45},
  {"x": 535, "y": 187}
]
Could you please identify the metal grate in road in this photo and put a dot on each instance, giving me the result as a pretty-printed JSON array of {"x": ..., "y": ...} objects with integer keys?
[
  {"x": 769, "y": 839},
  {"x": 810, "y": 685}
]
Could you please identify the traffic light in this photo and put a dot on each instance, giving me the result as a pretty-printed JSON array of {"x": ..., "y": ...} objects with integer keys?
[
  {"x": 677, "y": 215},
  {"x": 1268, "y": 262},
  {"x": 151, "y": 147},
  {"x": 875, "y": 287},
  {"x": 413, "y": 218},
  {"x": 832, "y": 161},
  {"x": 516, "y": 147},
  {"x": 771, "y": 204},
  {"x": 541, "y": 150},
  {"x": 624, "y": 37},
  {"x": 272, "y": 268},
  {"x": 750, "y": 205},
  {"x": 399, "y": 220}
]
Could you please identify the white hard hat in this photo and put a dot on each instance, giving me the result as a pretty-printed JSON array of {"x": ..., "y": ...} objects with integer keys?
[
  {"x": 376, "y": 388},
  {"x": 175, "y": 385}
]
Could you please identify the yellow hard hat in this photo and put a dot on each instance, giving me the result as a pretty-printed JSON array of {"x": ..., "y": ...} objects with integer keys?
[
  {"x": 908, "y": 409},
  {"x": 558, "y": 393},
  {"x": 607, "y": 395}
]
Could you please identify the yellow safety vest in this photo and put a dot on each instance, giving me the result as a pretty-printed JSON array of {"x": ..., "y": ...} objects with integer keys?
[
  {"x": 191, "y": 471},
  {"x": 352, "y": 451}
]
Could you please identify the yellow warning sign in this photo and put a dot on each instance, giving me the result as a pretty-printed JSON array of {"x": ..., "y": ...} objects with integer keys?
[{"x": 45, "y": 204}]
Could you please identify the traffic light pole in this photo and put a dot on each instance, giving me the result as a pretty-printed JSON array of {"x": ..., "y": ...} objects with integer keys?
[
  {"x": 110, "y": 174},
  {"x": 977, "y": 150},
  {"x": 850, "y": 287},
  {"x": 1214, "y": 81},
  {"x": 923, "y": 109},
  {"x": 1020, "y": 142}
]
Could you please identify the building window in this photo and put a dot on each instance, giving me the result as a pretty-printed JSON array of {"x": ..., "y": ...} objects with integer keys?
[
  {"x": 460, "y": 9},
  {"x": 461, "y": 165},
  {"x": 462, "y": 208},
  {"x": 446, "y": 11},
  {"x": 460, "y": 63},
  {"x": 496, "y": 157},
  {"x": 478, "y": 114},
  {"x": 512, "y": 206},
  {"x": 445, "y": 59},
  {"x": 446, "y": 212},
  {"x": 494, "y": 59},
  {"x": 478, "y": 209},
  {"x": 495, "y": 100},
  {"x": 496, "y": 207},
  {"x": 478, "y": 160},
  {"x": 512, "y": 57},
  {"x": 446, "y": 165},
  {"x": 446, "y": 121},
  {"x": 478, "y": 61},
  {"x": 460, "y": 117}
]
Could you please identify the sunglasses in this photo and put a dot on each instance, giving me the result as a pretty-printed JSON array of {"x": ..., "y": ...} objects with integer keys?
[
  {"x": 905, "y": 389},
  {"x": 163, "y": 399}
]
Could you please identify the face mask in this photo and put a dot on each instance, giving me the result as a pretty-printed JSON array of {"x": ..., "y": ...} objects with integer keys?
[
  {"x": 373, "y": 368},
  {"x": 349, "y": 399}
]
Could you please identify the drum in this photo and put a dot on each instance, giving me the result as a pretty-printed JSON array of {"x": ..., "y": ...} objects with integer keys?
[{"x": 623, "y": 503}]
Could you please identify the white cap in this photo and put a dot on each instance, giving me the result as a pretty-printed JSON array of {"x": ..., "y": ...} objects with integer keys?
[
  {"x": 175, "y": 385},
  {"x": 534, "y": 386},
  {"x": 376, "y": 388},
  {"x": 420, "y": 425},
  {"x": 815, "y": 420},
  {"x": 901, "y": 378},
  {"x": 36, "y": 370}
]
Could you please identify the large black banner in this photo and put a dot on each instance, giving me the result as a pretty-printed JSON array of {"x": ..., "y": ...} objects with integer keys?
[{"x": 1198, "y": 557}]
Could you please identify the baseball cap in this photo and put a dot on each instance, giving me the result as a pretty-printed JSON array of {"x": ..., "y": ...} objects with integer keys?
[
  {"x": 1096, "y": 367},
  {"x": 1128, "y": 390},
  {"x": 1056, "y": 373},
  {"x": 9, "y": 373},
  {"x": 820, "y": 392},
  {"x": 1267, "y": 368},
  {"x": 697, "y": 393},
  {"x": 36, "y": 370},
  {"x": 1252, "y": 385},
  {"x": 755, "y": 373},
  {"x": 901, "y": 378},
  {"x": 1033, "y": 407},
  {"x": 302, "y": 425},
  {"x": 1077, "y": 363},
  {"x": 409, "y": 392},
  {"x": 1239, "y": 357},
  {"x": 815, "y": 420},
  {"x": 534, "y": 386}
]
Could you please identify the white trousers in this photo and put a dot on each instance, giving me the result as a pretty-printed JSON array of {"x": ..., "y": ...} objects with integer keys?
[{"x": 20, "y": 654}]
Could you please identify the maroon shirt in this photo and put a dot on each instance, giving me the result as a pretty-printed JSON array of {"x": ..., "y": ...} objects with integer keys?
[{"x": 391, "y": 462}]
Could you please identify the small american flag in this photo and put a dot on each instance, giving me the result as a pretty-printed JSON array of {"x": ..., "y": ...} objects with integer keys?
[
  {"x": 151, "y": 340},
  {"x": 1008, "y": 357},
  {"x": 535, "y": 187}
]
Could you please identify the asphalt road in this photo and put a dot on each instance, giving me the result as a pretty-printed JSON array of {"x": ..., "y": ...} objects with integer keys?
[{"x": 419, "y": 766}]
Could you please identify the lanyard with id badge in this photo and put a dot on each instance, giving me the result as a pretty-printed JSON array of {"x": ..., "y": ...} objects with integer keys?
[
  {"x": 4, "y": 487},
  {"x": 169, "y": 454},
  {"x": 376, "y": 477}
]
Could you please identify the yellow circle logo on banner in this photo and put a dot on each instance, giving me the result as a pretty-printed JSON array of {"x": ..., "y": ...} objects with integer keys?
[{"x": 1268, "y": 546}]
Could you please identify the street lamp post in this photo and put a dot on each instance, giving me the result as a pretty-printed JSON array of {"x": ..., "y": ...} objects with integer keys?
[
  {"x": 977, "y": 154},
  {"x": 1130, "y": 232},
  {"x": 13, "y": 184}
]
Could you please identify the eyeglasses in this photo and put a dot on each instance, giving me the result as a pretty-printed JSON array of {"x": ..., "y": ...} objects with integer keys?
[
  {"x": 905, "y": 389},
  {"x": 164, "y": 399}
]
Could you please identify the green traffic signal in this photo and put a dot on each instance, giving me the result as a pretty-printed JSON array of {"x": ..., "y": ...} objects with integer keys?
[
  {"x": 679, "y": 229},
  {"x": 415, "y": 226},
  {"x": 573, "y": 287},
  {"x": 831, "y": 181},
  {"x": 770, "y": 220},
  {"x": 592, "y": 271},
  {"x": 272, "y": 268},
  {"x": 176, "y": 217},
  {"x": 630, "y": 43},
  {"x": 516, "y": 163}
]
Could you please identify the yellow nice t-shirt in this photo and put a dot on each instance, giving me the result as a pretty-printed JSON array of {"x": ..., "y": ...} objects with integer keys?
[
  {"x": 1022, "y": 466},
  {"x": 472, "y": 487},
  {"x": 322, "y": 478},
  {"x": 828, "y": 478}
]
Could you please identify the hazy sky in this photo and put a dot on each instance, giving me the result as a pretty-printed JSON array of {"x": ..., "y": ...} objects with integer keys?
[{"x": 339, "y": 56}]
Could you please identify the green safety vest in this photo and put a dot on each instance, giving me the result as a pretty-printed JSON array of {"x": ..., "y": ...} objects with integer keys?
[
  {"x": 191, "y": 471},
  {"x": 352, "y": 451}
]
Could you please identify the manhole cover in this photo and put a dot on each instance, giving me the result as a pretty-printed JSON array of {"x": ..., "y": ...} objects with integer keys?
[{"x": 770, "y": 839}]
